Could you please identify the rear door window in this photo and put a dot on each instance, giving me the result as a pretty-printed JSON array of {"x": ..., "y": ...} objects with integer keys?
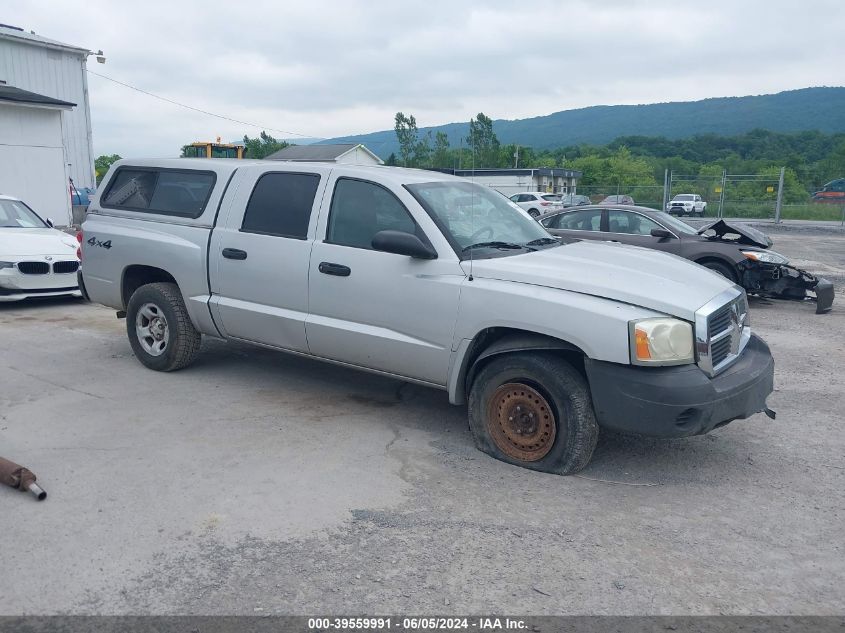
[
  {"x": 589, "y": 220},
  {"x": 177, "y": 192},
  {"x": 281, "y": 205}
]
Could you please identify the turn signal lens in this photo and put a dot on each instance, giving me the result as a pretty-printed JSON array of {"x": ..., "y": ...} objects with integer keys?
[
  {"x": 661, "y": 341},
  {"x": 79, "y": 248},
  {"x": 643, "y": 353}
]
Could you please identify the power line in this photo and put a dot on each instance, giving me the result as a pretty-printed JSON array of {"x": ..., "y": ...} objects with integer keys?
[{"x": 219, "y": 116}]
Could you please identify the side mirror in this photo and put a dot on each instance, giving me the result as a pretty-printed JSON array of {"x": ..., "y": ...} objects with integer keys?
[
  {"x": 49, "y": 222},
  {"x": 661, "y": 233},
  {"x": 402, "y": 243}
]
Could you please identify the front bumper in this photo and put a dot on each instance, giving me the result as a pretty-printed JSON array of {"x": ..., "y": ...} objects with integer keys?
[
  {"x": 782, "y": 281},
  {"x": 680, "y": 401},
  {"x": 20, "y": 295},
  {"x": 15, "y": 286}
]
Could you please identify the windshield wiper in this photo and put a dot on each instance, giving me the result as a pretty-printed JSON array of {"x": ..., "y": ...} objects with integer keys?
[
  {"x": 543, "y": 240},
  {"x": 497, "y": 245}
]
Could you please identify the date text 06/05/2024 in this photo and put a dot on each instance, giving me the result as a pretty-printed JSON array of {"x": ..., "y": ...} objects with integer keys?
[{"x": 414, "y": 624}]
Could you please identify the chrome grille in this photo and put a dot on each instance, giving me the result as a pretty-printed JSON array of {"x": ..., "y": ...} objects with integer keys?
[
  {"x": 722, "y": 330},
  {"x": 65, "y": 267},
  {"x": 34, "y": 268}
]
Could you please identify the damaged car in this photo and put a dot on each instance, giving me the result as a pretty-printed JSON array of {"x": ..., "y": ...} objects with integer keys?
[{"x": 738, "y": 252}]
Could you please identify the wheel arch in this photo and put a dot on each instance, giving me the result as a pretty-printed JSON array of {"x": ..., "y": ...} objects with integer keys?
[
  {"x": 719, "y": 259},
  {"x": 495, "y": 341},
  {"x": 138, "y": 275}
]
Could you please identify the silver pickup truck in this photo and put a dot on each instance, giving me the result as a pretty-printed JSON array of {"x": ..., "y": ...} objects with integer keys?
[{"x": 427, "y": 278}]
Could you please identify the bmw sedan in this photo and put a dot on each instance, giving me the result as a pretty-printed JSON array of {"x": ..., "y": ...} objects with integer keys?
[{"x": 36, "y": 260}]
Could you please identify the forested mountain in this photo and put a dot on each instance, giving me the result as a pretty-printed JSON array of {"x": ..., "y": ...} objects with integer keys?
[{"x": 821, "y": 109}]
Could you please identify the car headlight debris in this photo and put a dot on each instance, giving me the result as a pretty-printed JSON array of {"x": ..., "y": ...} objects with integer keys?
[{"x": 768, "y": 257}]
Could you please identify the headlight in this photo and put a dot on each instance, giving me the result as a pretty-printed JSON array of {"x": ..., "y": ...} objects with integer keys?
[
  {"x": 7, "y": 265},
  {"x": 769, "y": 257},
  {"x": 661, "y": 341}
]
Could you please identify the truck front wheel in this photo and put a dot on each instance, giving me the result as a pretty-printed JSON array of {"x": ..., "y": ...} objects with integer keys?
[
  {"x": 535, "y": 411},
  {"x": 159, "y": 328}
]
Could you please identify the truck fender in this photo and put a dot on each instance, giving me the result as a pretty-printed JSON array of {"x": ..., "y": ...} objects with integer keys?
[{"x": 473, "y": 354}]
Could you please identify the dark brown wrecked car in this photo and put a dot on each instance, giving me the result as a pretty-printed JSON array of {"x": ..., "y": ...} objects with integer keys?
[{"x": 738, "y": 252}]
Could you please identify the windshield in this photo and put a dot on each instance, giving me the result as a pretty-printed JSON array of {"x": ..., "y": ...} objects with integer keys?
[
  {"x": 674, "y": 223},
  {"x": 15, "y": 214},
  {"x": 683, "y": 197},
  {"x": 472, "y": 216}
]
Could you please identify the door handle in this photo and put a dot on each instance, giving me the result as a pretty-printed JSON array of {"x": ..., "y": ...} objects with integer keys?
[
  {"x": 327, "y": 268},
  {"x": 234, "y": 253}
]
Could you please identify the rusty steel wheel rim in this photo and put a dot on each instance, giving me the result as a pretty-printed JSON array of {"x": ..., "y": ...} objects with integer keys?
[{"x": 521, "y": 422}]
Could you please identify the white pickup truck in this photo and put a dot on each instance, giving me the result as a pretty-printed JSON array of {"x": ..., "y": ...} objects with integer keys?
[
  {"x": 687, "y": 204},
  {"x": 427, "y": 278}
]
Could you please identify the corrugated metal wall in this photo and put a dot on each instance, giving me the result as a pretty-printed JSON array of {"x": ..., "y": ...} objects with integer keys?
[
  {"x": 32, "y": 160},
  {"x": 59, "y": 74}
]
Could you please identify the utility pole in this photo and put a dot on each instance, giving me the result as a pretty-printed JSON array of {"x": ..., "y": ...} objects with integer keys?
[
  {"x": 665, "y": 188},
  {"x": 779, "y": 202},
  {"x": 722, "y": 193},
  {"x": 516, "y": 158}
]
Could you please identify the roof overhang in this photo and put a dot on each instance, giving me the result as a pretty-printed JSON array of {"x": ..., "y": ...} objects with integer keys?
[{"x": 11, "y": 95}]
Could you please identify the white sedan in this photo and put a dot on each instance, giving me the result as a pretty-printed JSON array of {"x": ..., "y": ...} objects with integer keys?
[
  {"x": 537, "y": 203},
  {"x": 36, "y": 260}
]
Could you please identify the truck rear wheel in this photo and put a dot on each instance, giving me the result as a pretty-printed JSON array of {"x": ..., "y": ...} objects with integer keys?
[
  {"x": 159, "y": 328},
  {"x": 535, "y": 411}
]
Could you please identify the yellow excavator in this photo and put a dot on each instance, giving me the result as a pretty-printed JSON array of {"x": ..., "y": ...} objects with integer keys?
[{"x": 200, "y": 149}]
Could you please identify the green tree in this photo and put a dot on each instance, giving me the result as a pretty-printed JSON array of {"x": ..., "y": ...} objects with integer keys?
[
  {"x": 406, "y": 133},
  {"x": 483, "y": 141},
  {"x": 441, "y": 157},
  {"x": 102, "y": 164},
  {"x": 627, "y": 170},
  {"x": 262, "y": 146},
  {"x": 422, "y": 151}
]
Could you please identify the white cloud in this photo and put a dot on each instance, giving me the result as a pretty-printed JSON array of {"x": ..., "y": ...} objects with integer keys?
[{"x": 326, "y": 68}]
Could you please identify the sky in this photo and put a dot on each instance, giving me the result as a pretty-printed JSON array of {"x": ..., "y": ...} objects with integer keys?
[{"x": 328, "y": 68}]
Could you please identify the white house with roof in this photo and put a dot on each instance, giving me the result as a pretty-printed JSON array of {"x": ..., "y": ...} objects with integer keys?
[
  {"x": 347, "y": 154},
  {"x": 45, "y": 121}
]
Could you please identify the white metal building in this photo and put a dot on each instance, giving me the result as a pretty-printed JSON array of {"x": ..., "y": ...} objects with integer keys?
[
  {"x": 32, "y": 155},
  {"x": 38, "y": 137},
  {"x": 511, "y": 181}
]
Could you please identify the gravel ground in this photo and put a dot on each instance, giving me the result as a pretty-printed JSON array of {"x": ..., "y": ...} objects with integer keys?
[{"x": 259, "y": 483}]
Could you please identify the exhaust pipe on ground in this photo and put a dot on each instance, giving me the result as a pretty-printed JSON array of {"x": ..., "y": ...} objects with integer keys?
[{"x": 20, "y": 478}]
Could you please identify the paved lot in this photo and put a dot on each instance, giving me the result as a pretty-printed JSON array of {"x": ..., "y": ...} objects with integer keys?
[{"x": 257, "y": 483}]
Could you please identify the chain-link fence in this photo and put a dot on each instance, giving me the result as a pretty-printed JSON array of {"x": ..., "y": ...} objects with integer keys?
[
  {"x": 645, "y": 195},
  {"x": 745, "y": 196}
]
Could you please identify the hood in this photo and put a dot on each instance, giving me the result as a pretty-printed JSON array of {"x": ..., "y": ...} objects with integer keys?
[
  {"x": 745, "y": 234},
  {"x": 638, "y": 276},
  {"x": 20, "y": 242}
]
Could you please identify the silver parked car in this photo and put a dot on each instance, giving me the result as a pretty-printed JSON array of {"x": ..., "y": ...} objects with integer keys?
[{"x": 427, "y": 278}]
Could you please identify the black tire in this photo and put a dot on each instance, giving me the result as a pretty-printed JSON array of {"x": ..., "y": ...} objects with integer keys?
[
  {"x": 534, "y": 213},
  {"x": 565, "y": 391},
  {"x": 721, "y": 268},
  {"x": 182, "y": 340}
]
